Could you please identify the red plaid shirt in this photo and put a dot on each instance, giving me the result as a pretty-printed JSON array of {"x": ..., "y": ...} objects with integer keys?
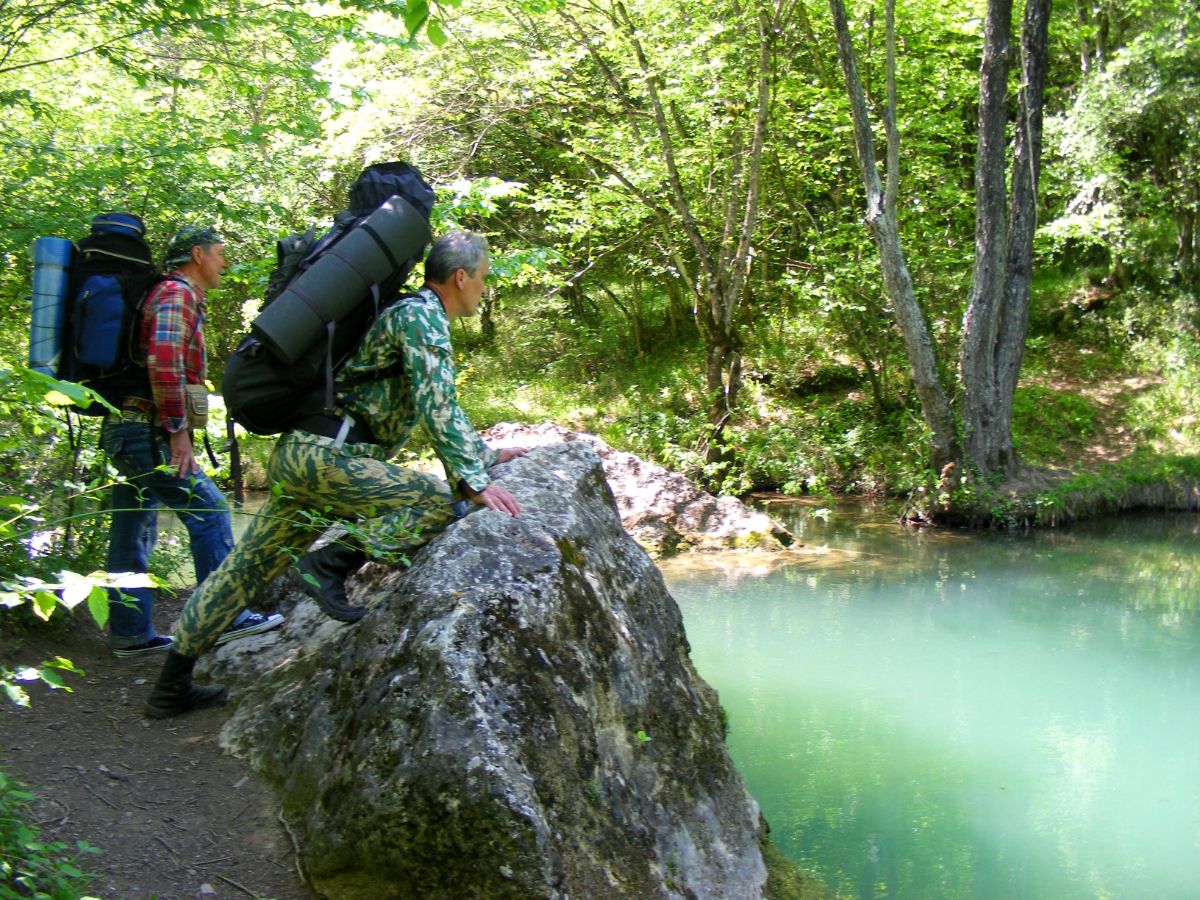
[{"x": 173, "y": 341}]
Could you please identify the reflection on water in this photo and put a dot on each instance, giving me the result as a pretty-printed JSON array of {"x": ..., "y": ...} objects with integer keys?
[{"x": 947, "y": 715}]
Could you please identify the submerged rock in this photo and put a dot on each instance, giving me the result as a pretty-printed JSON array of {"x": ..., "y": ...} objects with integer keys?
[
  {"x": 516, "y": 716},
  {"x": 663, "y": 510}
]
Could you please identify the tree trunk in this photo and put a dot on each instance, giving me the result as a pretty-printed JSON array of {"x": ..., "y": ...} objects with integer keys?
[
  {"x": 722, "y": 262},
  {"x": 722, "y": 376},
  {"x": 1027, "y": 159},
  {"x": 712, "y": 257},
  {"x": 997, "y": 316},
  {"x": 1187, "y": 237},
  {"x": 881, "y": 220},
  {"x": 487, "y": 319}
]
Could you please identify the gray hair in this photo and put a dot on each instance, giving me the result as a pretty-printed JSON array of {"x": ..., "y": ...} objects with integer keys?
[{"x": 452, "y": 251}]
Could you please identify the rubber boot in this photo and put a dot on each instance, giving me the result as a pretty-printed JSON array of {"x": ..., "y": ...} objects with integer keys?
[
  {"x": 329, "y": 568},
  {"x": 174, "y": 693}
]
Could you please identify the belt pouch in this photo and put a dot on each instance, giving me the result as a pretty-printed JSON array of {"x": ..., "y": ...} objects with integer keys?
[{"x": 197, "y": 405}]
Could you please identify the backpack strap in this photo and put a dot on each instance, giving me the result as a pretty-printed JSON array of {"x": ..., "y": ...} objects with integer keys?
[
  {"x": 371, "y": 375},
  {"x": 178, "y": 280},
  {"x": 382, "y": 244},
  {"x": 330, "y": 330}
]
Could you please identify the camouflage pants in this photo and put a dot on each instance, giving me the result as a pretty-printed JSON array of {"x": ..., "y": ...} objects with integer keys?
[{"x": 313, "y": 482}]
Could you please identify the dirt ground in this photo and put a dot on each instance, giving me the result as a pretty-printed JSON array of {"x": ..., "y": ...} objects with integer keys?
[{"x": 174, "y": 816}]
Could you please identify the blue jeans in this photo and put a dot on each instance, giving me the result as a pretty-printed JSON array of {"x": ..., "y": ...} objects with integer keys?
[{"x": 200, "y": 505}]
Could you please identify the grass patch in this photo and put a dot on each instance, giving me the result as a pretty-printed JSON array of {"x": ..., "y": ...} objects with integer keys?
[
  {"x": 1048, "y": 424},
  {"x": 1169, "y": 416}
]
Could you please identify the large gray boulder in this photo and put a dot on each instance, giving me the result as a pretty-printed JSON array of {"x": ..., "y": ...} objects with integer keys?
[
  {"x": 516, "y": 716},
  {"x": 664, "y": 511}
]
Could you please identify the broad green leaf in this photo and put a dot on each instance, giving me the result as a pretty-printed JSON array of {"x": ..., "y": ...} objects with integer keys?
[
  {"x": 15, "y": 693},
  {"x": 97, "y": 603},
  {"x": 75, "y": 589},
  {"x": 52, "y": 678},
  {"x": 126, "y": 579},
  {"x": 61, "y": 662},
  {"x": 44, "y": 604},
  {"x": 415, "y": 16},
  {"x": 434, "y": 31}
]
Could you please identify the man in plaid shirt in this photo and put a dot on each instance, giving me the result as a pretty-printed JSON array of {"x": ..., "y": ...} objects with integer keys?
[{"x": 154, "y": 428}]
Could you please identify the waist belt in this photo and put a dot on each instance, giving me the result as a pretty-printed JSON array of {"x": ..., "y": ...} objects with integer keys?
[
  {"x": 133, "y": 409},
  {"x": 343, "y": 430},
  {"x": 138, "y": 403}
]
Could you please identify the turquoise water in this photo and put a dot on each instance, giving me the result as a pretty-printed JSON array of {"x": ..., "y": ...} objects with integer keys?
[{"x": 923, "y": 714}]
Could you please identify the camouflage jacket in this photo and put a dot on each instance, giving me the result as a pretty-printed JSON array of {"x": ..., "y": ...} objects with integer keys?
[{"x": 417, "y": 331}]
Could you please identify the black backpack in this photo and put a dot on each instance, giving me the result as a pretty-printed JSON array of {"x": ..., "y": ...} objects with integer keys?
[
  {"x": 111, "y": 274},
  {"x": 268, "y": 394}
]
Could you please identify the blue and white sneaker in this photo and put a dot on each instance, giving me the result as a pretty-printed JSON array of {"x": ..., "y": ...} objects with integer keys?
[{"x": 254, "y": 623}]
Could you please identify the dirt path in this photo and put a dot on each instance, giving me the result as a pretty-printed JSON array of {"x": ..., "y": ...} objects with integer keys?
[{"x": 174, "y": 817}]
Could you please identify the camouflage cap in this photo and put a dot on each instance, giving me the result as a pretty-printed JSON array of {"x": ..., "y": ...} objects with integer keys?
[{"x": 179, "y": 250}]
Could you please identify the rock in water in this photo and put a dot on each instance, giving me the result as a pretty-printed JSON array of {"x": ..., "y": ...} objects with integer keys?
[
  {"x": 516, "y": 716},
  {"x": 664, "y": 511}
]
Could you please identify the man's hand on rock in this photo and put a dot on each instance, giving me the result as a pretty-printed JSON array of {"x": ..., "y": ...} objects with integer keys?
[
  {"x": 495, "y": 497},
  {"x": 508, "y": 453}
]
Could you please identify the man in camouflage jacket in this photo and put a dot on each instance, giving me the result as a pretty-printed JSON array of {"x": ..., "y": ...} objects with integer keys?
[{"x": 341, "y": 468}]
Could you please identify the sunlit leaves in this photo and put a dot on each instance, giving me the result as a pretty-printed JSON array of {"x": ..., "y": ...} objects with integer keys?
[
  {"x": 415, "y": 15},
  {"x": 49, "y": 673},
  {"x": 1129, "y": 145},
  {"x": 436, "y": 35}
]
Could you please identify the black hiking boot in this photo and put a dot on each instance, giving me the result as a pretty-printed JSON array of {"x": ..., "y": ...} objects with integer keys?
[
  {"x": 323, "y": 575},
  {"x": 174, "y": 693}
]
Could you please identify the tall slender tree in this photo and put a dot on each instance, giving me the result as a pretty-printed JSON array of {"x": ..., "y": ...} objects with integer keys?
[
  {"x": 712, "y": 253},
  {"x": 885, "y": 229},
  {"x": 996, "y": 320}
]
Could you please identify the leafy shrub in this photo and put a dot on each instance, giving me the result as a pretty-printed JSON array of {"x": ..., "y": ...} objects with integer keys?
[
  {"x": 1171, "y": 413},
  {"x": 29, "y": 866}
]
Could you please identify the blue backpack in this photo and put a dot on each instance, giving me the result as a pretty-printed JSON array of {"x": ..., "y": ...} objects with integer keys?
[{"x": 86, "y": 326}]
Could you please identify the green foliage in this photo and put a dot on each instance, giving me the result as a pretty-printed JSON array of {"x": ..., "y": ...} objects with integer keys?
[
  {"x": 1122, "y": 160},
  {"x": 49, "y": 519},
  {"x": 30, "y": 866},
  {"x": 1170, "y": 414},
  {"x": 535, "y": 121},
  {"x": 48, "y": 672},
  {"x": 1050, "y": 425},
  {"x": 43, "y": 598}
]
